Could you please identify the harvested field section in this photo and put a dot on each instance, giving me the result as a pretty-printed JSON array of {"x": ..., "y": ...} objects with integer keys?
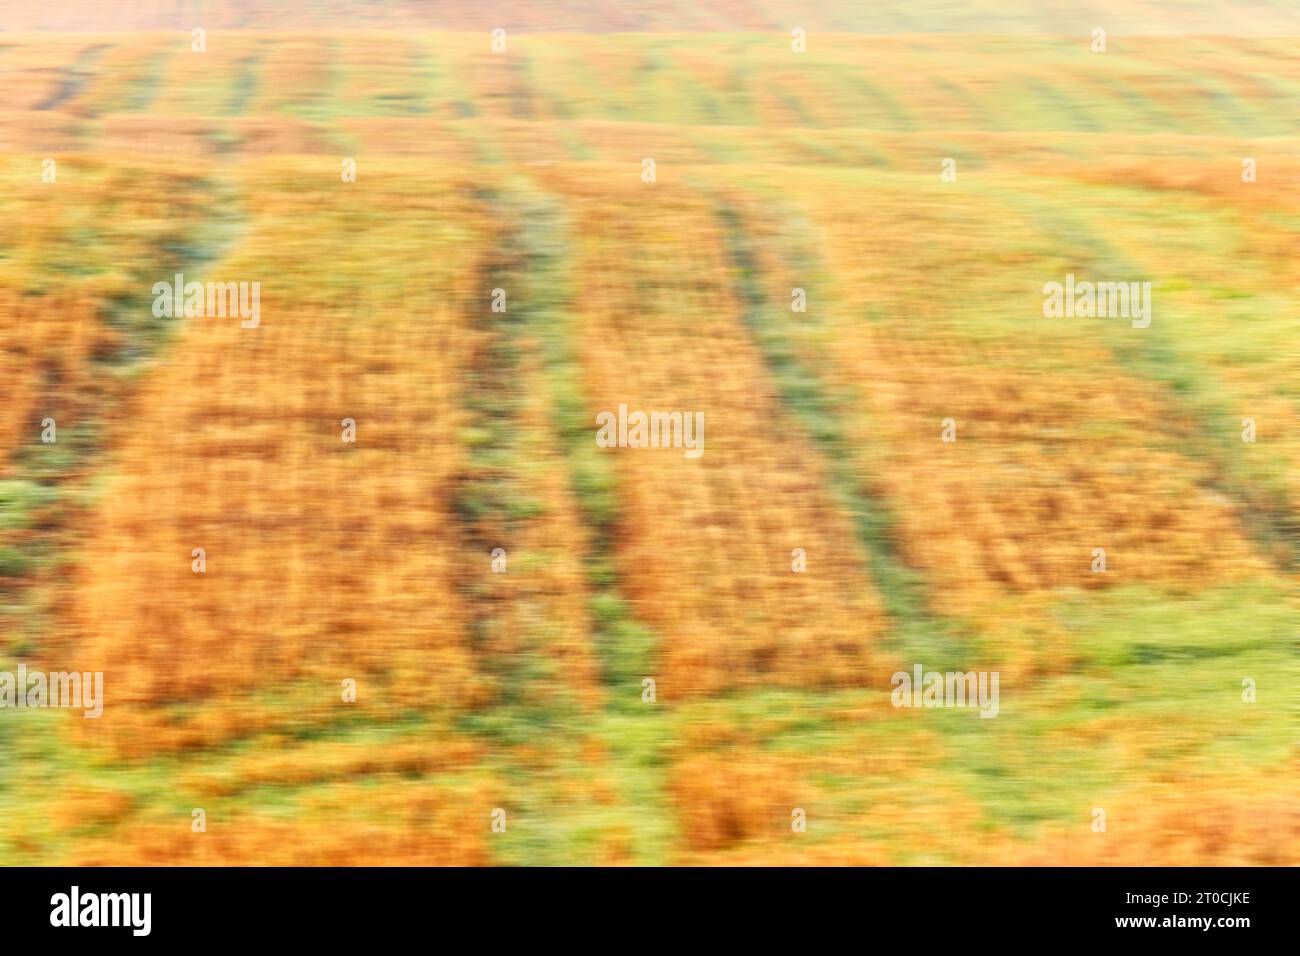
[
  {"x": 1046, "y": 462},
  {"x": 380, "y": 76},
  {"x": 705, "y": 543},
  {"x": 68, "y": 347},
  {"x": 48, "y": 346},
  {"x": 219, "y": 81},
  {"x": 325, "y": 559},
  {"x": 297, "y": 74},
  {"x": 124, "y": 77}
]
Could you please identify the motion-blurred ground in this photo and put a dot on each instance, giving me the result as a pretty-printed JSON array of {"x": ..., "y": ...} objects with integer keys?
[{"x": 524, "y": 690}]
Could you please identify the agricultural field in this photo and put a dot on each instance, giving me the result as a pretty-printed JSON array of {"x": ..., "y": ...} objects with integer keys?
[{"x": 368, "y": 585}]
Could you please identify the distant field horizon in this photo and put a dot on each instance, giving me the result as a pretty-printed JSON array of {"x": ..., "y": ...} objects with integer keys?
[{"x": 994, "y": 17}]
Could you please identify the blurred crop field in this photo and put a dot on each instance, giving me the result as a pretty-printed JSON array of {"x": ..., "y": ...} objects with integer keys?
[{"x": 463, "y": 630}]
